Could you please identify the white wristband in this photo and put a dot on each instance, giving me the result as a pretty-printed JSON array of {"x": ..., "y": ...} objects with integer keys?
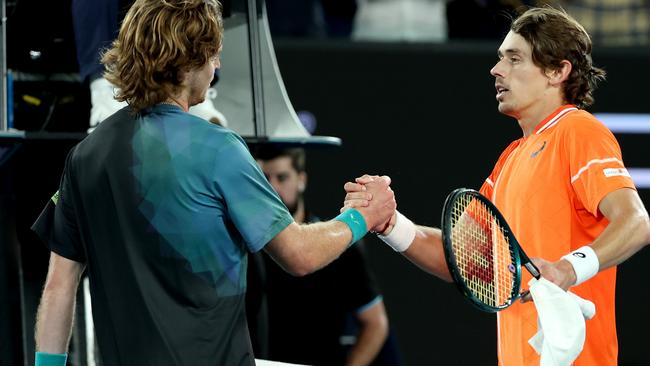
[
  {"x": 585, "y": 263},
  {"x": 402, "y": 235}
]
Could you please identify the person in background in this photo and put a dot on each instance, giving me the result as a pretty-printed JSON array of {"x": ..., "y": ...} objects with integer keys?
[{"x": 308, "y": 316}]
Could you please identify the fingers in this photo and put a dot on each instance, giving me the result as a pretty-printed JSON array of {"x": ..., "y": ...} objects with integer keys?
[
  {"x": 354, "y": 187},
  {"x": 378, "y": 213},
  {"x": 358, "y": 196},
  {"x": 356, "y": 200},
  {"x": 525, "y": 296},
  {"x": 365, "y": 179},
  {"x": 360, "y": 182}
]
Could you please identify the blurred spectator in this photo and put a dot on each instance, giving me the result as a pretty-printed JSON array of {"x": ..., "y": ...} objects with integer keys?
[
  {"x": 311, "y": 18},
  {"x": 480, "y": 19},
  {"x": 613, "y": 22},
  {"x": 401, "y": 20},
  {"x": 331, "y": 317}
]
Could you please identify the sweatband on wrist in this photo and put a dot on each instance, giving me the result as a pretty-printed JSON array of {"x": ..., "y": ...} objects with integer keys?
[
  {"x": 402, "y": 235},
  {"x": 585, "y": 263},
  {"x": 355, "y": 221},
  {"x": 50, "y": 359}
]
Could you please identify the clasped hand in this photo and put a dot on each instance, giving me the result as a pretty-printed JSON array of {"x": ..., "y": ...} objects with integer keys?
[{"x": 368, "y": 191}]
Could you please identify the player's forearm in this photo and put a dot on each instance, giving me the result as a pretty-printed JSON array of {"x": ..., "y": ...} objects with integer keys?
[
  {"x": 56, "y": 310},
  {"x": 324, "y": 242},
  {"x": 427, "y": 253},
  {"x": 623, "y": 237},
  {"x": 302, "y": 249},
  {"x": 54, "y": 320}
]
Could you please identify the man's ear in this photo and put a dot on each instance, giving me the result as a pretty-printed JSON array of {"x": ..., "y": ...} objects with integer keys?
[
  {"x": 561, "y": 74},
  {"x": 302, "y": 183}
]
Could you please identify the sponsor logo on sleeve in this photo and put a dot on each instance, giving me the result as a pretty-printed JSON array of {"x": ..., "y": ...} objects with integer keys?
[{"x": 616, "y": 172}]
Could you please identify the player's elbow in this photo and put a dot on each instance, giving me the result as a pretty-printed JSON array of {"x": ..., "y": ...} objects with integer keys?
[
  {"x": 641, "y": 225},
  {"x": 645, "y": 227},
  {"x": 289, "y": 250},
  {"x": 300, "y": 269},
  {"x": 300, "y": 264},
  {"x": 444, "y": 274}
]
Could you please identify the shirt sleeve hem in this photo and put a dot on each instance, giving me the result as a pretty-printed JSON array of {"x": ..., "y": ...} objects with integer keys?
[
  {"x": 275, "y": 229},
  {"x": 610, "y": 189},
  {"x": 367, "y": 306}
]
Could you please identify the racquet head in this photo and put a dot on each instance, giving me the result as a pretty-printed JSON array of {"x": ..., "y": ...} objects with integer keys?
[{"x": 481, "y": 252}]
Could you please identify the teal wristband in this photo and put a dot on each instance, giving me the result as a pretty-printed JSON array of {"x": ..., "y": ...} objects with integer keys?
[
  {"x": 355, "y": 221},
  {"x": 50, "y": 359}
]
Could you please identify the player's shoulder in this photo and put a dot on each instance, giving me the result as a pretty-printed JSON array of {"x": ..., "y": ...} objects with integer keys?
[
  {"x": 581, "y": 120},
  {"x": 213, "y": 134},
  {"x": 581, "y": 123}
]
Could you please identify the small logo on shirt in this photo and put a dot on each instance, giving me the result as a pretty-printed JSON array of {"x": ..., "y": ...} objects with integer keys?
[
  {"x": 579, "y": 255},
  {"x": 55, "y": 198},
  {"x": 616, "y": 172},
  {"x": 534, "y": 154}
]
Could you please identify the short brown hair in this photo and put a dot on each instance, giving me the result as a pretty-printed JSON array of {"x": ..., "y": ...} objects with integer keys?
[
  {"x": 268, "y": 152},
  {"x": 555, "y": 36},
  {"x": 159, "y": 40}
]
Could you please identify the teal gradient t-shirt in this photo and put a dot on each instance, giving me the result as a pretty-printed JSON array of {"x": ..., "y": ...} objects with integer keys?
[{"x": 162, "y": 206}]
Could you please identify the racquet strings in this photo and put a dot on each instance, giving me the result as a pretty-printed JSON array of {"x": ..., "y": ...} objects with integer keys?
[{"x": 482, "y": 252}]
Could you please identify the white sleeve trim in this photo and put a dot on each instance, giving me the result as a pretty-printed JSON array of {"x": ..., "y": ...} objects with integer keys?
[{"x": 592, "y": 162}]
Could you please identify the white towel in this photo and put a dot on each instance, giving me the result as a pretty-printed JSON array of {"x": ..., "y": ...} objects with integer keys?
[
  {"x": 259, "y": 362},
  {"x": 561, "y": 323}
]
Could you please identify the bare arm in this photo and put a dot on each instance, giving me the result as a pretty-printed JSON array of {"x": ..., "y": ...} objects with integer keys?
[
  {"x": 302, "y": 249},
  {"x": 373, "y": 332},
  {"x": 426, "y": 252},
  {"x": 56, "y": 310},
  {"x": 426, "y": 249},
  {"x": 628, "y": 231}
]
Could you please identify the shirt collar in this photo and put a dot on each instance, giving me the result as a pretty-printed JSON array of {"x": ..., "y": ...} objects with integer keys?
[{"x": 555, "y": 117}]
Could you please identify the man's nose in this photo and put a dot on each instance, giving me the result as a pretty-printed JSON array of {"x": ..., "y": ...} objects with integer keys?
[{"x": 496, "y": 69}]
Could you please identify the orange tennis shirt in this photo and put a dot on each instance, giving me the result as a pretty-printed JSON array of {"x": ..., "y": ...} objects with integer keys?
[{"x": 548, "y": 187}]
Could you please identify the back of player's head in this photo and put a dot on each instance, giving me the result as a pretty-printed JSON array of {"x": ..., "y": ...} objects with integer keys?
[{"x": 158, "y": 41}]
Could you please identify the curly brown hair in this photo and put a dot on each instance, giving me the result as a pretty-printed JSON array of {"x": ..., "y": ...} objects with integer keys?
[
  {"x": 159, "y": 41},
  {"x": 555, "y": 36}
]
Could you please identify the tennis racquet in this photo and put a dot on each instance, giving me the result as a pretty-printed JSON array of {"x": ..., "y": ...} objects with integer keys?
[{"x": 482, "y": 253}]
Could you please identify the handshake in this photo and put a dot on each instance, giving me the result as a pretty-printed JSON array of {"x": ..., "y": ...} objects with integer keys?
[{"x": 373, "y": 197}]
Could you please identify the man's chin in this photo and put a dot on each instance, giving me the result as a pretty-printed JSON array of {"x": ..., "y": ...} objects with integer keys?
[{"x": 506, "y": 109}]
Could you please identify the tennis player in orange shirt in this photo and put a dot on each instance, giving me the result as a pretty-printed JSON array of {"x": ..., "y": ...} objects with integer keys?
[{"x": 562, "y": 187}]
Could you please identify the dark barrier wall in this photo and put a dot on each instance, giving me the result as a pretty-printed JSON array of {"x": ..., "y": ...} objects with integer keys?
[{"x": 426, "y": 115}]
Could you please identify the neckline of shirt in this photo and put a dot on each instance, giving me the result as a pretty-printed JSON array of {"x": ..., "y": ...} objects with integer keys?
[{"x": 555, "y": 117}]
